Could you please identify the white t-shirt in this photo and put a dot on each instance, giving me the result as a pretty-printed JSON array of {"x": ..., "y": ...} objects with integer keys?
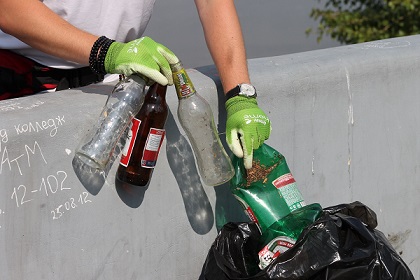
[{"x": 119, "y": 20}]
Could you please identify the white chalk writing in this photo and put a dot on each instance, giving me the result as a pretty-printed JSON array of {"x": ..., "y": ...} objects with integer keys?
[
  {"x": 13, "y": 162},
  {"x": 36, "y": 104},
  {"x": 71, "y": 203},
  {"x": 10, "y": 106},
  {"x": 23, "y": 198},
  {"x": 38, "y": 180},
  {"x": 52, "y": 124},
  {"x": 55, "y": 182},
  {"x": 3, "y": 137}
]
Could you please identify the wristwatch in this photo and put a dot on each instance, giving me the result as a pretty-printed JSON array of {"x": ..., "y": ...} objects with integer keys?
[{"x": 245, "y": 90}]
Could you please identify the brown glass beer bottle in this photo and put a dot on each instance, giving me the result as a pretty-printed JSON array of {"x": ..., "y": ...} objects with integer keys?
[{"x": 145, "y": 138}]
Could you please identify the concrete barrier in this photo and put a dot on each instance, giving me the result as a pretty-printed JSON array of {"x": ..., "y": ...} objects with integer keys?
[{"x": 346, "y": 118}]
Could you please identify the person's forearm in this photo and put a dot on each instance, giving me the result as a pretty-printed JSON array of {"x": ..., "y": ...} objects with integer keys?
[
  {"x": 35, "y": 24},
  {"x": 224, "y": 39}
]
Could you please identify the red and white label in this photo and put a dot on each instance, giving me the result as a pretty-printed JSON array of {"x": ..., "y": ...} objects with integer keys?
[
  {"x": 251, "y": 215},
  {"x": 284, "y": 180},
  {"x": 152, "y": 147},
  {"x": 247, "y": 209},
  {"x": 273, "y": 249},
  {"x": 131, "y": 140}
]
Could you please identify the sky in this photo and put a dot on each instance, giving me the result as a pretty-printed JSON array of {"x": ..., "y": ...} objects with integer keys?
[{"x": 270, "y": 28}]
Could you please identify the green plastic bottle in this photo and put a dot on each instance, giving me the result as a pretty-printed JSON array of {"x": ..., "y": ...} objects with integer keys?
[{"x": 269, "y": 196}]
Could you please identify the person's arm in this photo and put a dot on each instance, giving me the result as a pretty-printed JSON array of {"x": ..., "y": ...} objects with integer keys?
[
  {"x": 224, "y": 39},
  {"x": 247, "y": 126},
  {"x": 36, "y": 25}
]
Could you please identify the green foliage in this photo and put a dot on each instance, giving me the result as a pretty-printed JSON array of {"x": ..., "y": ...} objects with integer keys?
[{"x": 357, "y": 21}]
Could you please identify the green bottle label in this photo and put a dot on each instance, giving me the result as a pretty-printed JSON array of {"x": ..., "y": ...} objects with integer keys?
[{"x": 184, "y": 86}]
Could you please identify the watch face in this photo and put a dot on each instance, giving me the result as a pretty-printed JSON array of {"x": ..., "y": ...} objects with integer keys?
[{"x": 247, "y": 90}]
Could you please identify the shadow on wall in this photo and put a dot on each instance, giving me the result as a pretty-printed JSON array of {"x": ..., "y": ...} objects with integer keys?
[{"x": 182, "y": 163}]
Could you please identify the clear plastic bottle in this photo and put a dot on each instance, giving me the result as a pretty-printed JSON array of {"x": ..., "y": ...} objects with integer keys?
[
  {"x": 123, "y": 103},
  {"x": 196, "y": 118}
]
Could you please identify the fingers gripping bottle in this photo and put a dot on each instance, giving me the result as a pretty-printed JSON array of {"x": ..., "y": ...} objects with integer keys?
[
  {"x": 145, "y": 138},
  {"x": 196, "y": 118}
]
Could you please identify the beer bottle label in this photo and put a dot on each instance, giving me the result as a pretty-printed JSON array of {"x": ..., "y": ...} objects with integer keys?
[
  {"x": 152, "y": 147},
  {"x": 286, "y": 185},
  {"x": 131, "y": 140},
  {"x": 184, "y": 86}
]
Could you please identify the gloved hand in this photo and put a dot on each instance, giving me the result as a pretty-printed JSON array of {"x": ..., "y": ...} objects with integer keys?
[
  {"x": 247, "y": 127},
  {"x": 142, "y": 56}
]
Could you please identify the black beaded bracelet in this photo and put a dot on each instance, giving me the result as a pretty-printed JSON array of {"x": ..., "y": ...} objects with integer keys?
[
  {"x": 98, "y": 53},
  {"x": 102, "y": 54},
  {"x": 94, "y": 53}
]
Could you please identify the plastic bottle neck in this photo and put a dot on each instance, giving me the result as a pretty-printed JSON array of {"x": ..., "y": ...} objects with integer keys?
[{"x": 183, "y": 85}]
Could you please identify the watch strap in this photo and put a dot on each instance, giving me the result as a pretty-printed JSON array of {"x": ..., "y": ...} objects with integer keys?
[{"x": 233, "y": 92}]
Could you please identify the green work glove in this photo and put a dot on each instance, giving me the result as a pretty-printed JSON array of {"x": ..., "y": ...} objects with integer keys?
[
  {"x": 142, "y": 56},
  {"x": 247, "y": 127}
]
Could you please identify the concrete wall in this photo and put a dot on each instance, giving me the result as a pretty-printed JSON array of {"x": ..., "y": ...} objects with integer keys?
[{"x": 347, "y": 120}]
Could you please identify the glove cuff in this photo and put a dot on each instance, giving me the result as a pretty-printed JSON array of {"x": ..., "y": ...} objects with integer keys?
[{"x": 98, "y": 53}]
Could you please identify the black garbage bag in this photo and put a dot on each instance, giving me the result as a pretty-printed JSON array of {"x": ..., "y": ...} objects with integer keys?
[{"x": 342, "y": 244}]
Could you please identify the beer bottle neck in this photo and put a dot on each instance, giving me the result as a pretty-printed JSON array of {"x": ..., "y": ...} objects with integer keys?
[
  {"x": 183, "y": 85},
  {"x": 161, "y": 91},
  {"x": 156, "y": 91}
]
